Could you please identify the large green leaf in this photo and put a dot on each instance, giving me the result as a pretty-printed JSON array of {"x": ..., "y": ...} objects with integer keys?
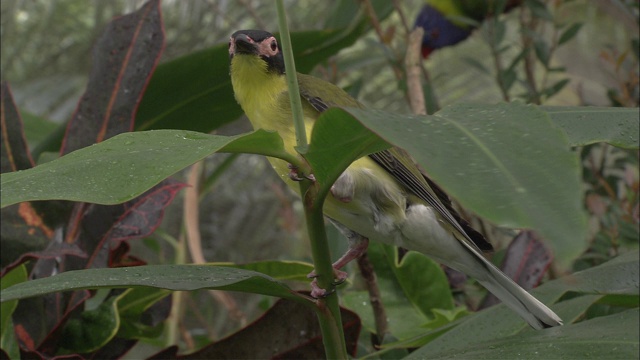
[
  {"x": 170, "y": 277},
  {"x": 409, "y": 307},
  {"x": 93, "y": 329},
  {"x": 587, "y": 125},
  {"x": 7, "y": 335},
  {"x": 620, "y": 276},
  {"x": 336, "y": 141},
  {"x": 608, "y": 337},
  {"x": 505, "y": 162},
  {"x": 125, "y": 166}
]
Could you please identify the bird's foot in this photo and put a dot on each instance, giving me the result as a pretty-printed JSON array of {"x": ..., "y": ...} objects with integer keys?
[
  {"x": 295, "y": 176},
  {"x": 317, "y": 292}
]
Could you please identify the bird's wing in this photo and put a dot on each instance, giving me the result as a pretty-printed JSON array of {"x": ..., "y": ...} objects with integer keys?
[{"x": 392, "y": 161}]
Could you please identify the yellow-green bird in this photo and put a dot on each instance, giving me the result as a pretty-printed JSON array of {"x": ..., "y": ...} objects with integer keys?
[{"x": 384, "y": 196}]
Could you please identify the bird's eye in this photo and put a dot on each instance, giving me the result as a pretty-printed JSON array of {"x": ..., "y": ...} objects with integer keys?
[{"x": 274, "y": 46}]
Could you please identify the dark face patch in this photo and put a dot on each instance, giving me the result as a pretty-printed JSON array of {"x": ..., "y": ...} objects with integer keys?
[{"x": 260, "y": 43}]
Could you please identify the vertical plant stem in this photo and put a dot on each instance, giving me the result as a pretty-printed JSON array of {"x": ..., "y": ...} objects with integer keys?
[
  {"x": 529, "y": 58},
  {"x": 292, "y": 80},
  {"x": 412, "y": 64},
  {"x": 327, "y": 309}
]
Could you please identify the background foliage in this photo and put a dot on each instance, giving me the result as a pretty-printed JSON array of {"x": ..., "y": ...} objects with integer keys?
[{"x": 45, "y": 53}]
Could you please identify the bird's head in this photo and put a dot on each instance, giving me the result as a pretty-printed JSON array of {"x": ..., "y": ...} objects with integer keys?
[{"x": 256, "y": 48}]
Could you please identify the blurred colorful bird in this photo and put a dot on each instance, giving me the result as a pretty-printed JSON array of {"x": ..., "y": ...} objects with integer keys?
[{"x": 448, "y": 22}]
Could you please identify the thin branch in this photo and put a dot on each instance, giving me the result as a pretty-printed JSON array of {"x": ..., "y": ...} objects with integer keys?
[
  {"x": 529, "y": 57},
  {"x": 379, "y": 313},
  {"x": 413, "y": 61},
  {"x": 191, "y": 216}
]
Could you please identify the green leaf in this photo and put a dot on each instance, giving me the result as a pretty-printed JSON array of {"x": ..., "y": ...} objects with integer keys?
[
  {"x": 608, "y": 337},
  {"x": 508, "y": 78},
  {"x": 125, "y": 166},
  {"x": 36, "y": 129},
  {"x": 495, "y": 161},
  {"x": 426, "y": 292},
  {"x": 555, "y": 88},
  {"x": 569, "y": 33},
  {"x": 539, "y": 9},
  {"x": 336, "y": 141},
  {"x": 7, "y": 335},
  {"x": 93, "y": 329},
  {"x": 542, "y": 50},
  {"x": 473, "y": 62},
  {"x": 588, "y": 125},
  {"x": 169, "y": 277},
  {"x": 137, "y": 300},
  {"x": 131, "y": 306},
  {"x": 277, "y": 269},
  {"x": 620, "y": 276},
  {"x": 15, "y": 276}
]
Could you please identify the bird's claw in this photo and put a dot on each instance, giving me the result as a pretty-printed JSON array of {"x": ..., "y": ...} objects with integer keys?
[
  {"x": 318, "y": 292},
  {"x": 293, "y": 174}
]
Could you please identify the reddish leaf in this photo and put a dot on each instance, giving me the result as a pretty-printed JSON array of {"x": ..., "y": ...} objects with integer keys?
[
  {"x": 526, "y": 262},
  {"x": 138, "y": 218},
  {"x": 54, "y": 250},
  {"x": 23, "y": 231},
  {"x": 144, "y": 216},
  {"x": 123, "y": 60},
  {"x": 119, "y": 257},
  {"x": 15, "y": 150},
  {"x": 288, "y": 330}
]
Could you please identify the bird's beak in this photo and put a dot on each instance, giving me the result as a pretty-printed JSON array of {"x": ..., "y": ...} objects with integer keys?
[{"x": 242, "y": 44}]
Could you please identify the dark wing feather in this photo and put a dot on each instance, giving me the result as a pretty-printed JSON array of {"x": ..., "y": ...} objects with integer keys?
[
  {"x": 434, "y": 195},
  {"x": 436, "y": 198}
]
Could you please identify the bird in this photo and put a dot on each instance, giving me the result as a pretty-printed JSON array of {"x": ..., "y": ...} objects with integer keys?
[
  {"x": 380, "y": 197},
  {"x": 442, "y": 24}
]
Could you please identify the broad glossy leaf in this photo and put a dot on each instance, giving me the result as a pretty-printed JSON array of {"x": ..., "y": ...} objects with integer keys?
[
  {"x": 124, "y": 58},
  {"x": 7, "y": 336},
  {"x": 277, "y": 269},
  {"x": 569, "y": 33},
  {"x": 336, "y": 141},
  {"x": 608, "y": 337},
  {"x": 170, "y": 277},
  {"x": 618, "y": 276},
  {"x": 13, "y": 144},
  {"x": 92, "y": 329},
  {"x": 422, "y": 280},
  {"x": 586, "y": 125},
  {"x": 125, "y": 166},
  {"x": 506, "y": 163}
]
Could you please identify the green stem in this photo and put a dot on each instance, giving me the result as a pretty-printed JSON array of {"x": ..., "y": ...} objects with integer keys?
[
  {"x": 292, "y": 80},
  {"x": 327, "y": 309}
]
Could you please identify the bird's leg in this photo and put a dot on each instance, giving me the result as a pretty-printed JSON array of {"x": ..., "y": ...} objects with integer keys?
[
  {"x": 293, "y": 174},
  {"x": 357, "y": 246}
]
